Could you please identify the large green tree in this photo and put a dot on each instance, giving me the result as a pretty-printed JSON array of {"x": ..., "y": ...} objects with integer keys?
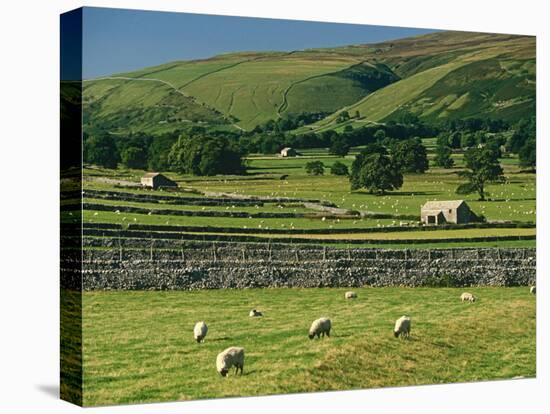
[
  {"x": 157, "y": 159},
  {"x": 482, "y": 167},
  {"x": 528, "y": 154},
  {"x": 410, "y": 155},
  {"x": 524, "y": 130},
  {"x": 339, "y": 147},
  {"x": 205, "y": 155},
  {"x": 101, "y": 150},
  {"x": 443, "y": 156},
  {"x": 374, "y": 170},
  {"x": 134, "y": 157}
]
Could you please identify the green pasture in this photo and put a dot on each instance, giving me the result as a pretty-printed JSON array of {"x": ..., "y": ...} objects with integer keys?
[
  {"x": 515, "y": 200},
  {"x": 234, "y": 208},
  {"x": 91, "y": 216},
  {"x": 138, "y": 347}
]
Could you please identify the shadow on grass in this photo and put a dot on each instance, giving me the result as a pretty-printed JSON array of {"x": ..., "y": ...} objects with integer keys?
[{"x": 223, "y": 338}]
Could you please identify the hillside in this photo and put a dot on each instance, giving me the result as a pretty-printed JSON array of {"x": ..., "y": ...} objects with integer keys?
[{"x": 436, "y": 76}]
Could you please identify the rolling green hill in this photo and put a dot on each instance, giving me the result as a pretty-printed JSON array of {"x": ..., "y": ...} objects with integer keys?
[{"x": 436, "y": 76}]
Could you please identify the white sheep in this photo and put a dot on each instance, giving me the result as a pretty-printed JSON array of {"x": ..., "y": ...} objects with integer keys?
[
  {"x": 255, "y": 313},
  {"x": 533, "y": 290},
  {"x": 320, "y": 327},
  {"x": 199, "y": 331},
  {"x": 402, "y": 327},
  {"x": 351, "y": 295},
  {"x": 467, "y": 296},
  {"x": 231, "y": 357}
]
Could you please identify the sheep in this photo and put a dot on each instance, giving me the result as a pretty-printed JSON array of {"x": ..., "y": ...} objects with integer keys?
[
  {"x": 533, "y": 290},
  {"x": 402, "y": 327},
  {"x": 351, "y": 295},
  {"x": 200, "y": 331},
  {"x": 466, "y": 296},
  {"x": 231, "y": 357},
  {"x": 255, "y": 313},
  {"x": 320, "y": 327}
]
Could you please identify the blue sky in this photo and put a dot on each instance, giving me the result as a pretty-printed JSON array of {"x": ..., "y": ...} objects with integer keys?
[{"x": 118, "y": 40}]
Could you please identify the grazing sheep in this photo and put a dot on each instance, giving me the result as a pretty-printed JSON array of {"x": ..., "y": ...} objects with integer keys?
[
  {"x": 200, "y": 331},
  {"x": 351, "y": 295},
  {"x": 466, "y": 296},
  {"x": 402, "y": 327},
  {"x": 533, "y": 290},
  {"x": 255, "y": 313},
  {"x": 231, "y": 357},
  {"x": 320, "y": 327}
]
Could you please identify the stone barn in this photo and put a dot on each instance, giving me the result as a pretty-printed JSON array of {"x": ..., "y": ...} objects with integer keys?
[
  {"x": 288, "y": 152},
  {"x": 157, "y": 180},
  {"x": 441, "y": 212}
]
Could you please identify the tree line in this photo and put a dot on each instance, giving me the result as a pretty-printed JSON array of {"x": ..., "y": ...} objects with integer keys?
[{"x": 200, "y": 151}]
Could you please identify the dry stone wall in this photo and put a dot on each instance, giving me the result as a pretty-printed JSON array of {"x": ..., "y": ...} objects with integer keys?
[{"x": 234, "y": 265}]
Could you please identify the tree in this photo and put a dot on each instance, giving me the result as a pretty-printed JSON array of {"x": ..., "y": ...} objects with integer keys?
[
  {"x": 343, "y": 116},
  {"x": 348, "y": 129},
  {"x": 408, "y": 118},
  {"x": 134, "y": 157},
  {"x": 410, "y": 155},
  {"x": 443, "y": 140},
  {"x": 205, "y": 155},
  {"x": 379, "y": 135},
  {"x": 455, "y": 139},
  {"x": 157, "y": 158},
  {"x": 467, "y": 140},
  {"x": 339, "y": 147},
  {"x": 524, "y": 130},
  {"x": 315, "y": 168},
  {"x": 528, "y": 154},
  {"x": 271, "y": 144},
  {"x": 101, "y": 150},
  {"x": 443, "y": 156},
  {"x": 482, "y": 167},
  {"x": 339, "y": 168},
  {"x": 375, "y": 171}
]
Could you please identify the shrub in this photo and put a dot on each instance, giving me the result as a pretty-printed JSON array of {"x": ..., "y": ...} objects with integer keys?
[
  {"x": 315, "y": 168},
  {"x": 339, "y": 168}
]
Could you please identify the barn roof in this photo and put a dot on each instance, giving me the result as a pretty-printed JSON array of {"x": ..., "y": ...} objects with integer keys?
[
  {"x": 442, "y": 205},
  {"x": 151, "y": 175}
]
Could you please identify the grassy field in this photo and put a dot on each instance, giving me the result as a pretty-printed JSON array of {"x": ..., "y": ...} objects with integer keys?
[
  {"x": 513, "y": 201},
  {"x": 138, "y": 346}
]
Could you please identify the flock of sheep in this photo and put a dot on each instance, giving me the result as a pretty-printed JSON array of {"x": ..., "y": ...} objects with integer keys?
[{"x": 233, "y": 357}]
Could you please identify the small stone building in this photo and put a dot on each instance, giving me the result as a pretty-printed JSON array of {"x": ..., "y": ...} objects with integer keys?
[
  {"x": 440, "y": 212},
  {"x": 157, "y": 180},
  {"x": 288, "y": 152}
]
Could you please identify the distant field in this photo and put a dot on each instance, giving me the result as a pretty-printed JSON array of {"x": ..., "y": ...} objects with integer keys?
[
  {"x": 513, "y": 201},
  {"x": 138, "y": 346}
]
